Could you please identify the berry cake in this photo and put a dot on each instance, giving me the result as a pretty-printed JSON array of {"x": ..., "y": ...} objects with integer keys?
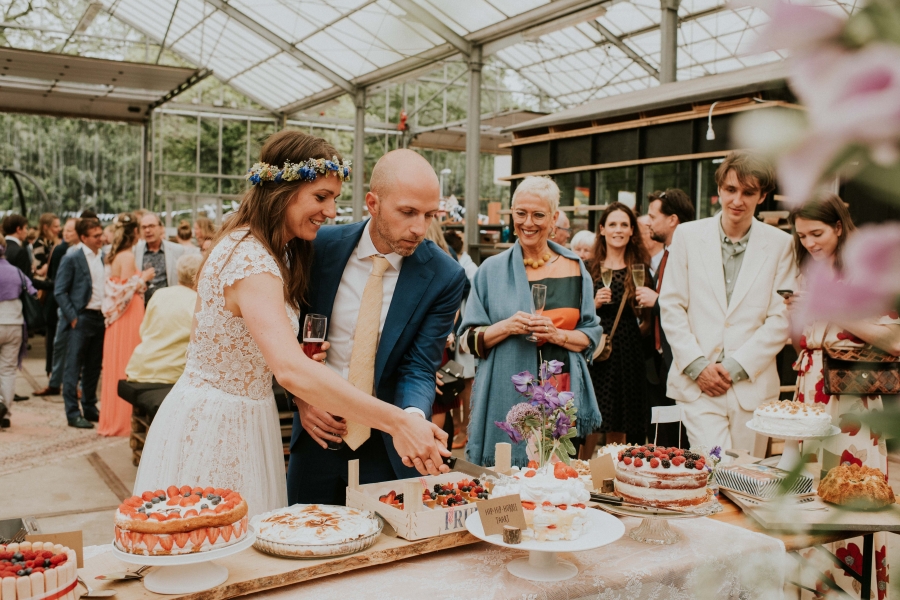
[
  {"x": 180, "y": 521},
  {"x": 553, "y": 499},
  {"x": 661, "y": 477},
  {"x": 37, "y": 570},
  {"x": 788, "y": 418}
]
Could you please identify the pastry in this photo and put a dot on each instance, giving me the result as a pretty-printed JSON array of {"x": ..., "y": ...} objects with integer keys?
[
  {"x": 661, "y": 477},
  {"x": 791, "y": 418},
  {"x": 37, "y": 570},
  {"x": 304, "y": 530},
  {"x": 180, "y": 521},
  {"x": 859, "y": 487},
  {"x": 444, "y": 494}
]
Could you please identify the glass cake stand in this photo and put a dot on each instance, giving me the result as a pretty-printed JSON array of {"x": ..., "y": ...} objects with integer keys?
[
  {"x": 186, "y": 573},
  {"x": 654, "y": 527},
  {"x": 542, "y": 563},
  {"x": 790, "y": 456}
]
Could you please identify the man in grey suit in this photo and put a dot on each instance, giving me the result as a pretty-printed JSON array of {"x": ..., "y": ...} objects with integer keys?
[
  {"x": 157, "y": 252},
  {"x": 79, "y": 293}
]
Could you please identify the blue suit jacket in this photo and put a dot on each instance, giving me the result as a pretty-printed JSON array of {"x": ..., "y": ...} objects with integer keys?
[
  {"x": 428, "y": 294},
  {"x": 73, "y": 285}
]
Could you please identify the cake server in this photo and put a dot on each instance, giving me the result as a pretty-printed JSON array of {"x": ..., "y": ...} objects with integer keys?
[
  {"x": 616, "y": 501},
  {"x": 92, "y": 593},
  {"x": 464, "y": 466},
  {"x": 386, "y": 528},
  {"x": 123, "y": 575}
]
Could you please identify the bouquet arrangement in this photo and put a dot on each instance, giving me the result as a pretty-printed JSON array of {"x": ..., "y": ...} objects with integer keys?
[{"x": 546, "y": 420}]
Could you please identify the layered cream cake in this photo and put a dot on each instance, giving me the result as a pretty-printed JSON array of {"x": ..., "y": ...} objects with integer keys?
[
  {"x": 553, "y": 498},
  {"x": 661, "y": 477},
  {"x": 790, "y": 418},
  {"x": 180, "y": 521}
]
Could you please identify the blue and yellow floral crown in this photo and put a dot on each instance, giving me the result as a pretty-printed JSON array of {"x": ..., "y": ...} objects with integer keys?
[{"x": 305, "y": 171}]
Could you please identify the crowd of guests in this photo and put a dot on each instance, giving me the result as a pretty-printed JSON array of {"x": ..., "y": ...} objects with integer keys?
[{"x": 95, "y": 288}]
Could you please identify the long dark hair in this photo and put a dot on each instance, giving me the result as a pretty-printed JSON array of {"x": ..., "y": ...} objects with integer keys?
[
  {"x": 635, "y": 253},
  {"x": 124, "y": 235},
  {"x": 828, "y": 209},
  {"x": 263, "y": 208}
]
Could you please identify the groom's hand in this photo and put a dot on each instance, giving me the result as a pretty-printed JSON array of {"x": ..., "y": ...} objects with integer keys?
[{"x": 319, "y": 424}]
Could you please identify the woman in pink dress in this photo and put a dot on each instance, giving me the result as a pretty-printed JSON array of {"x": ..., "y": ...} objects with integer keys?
[
  {"x": 123, "y": 309},
  {"x": 821, "y": 227}
]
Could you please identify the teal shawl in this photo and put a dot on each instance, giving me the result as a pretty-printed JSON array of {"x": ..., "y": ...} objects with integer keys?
[{"x": 500, "y": 289}]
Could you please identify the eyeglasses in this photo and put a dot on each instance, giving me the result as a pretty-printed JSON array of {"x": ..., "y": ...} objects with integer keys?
[{"x": 563, "y": 228}]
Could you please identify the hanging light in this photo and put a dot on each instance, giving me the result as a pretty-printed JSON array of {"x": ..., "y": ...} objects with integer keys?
[{"x": 710, "y": 134}]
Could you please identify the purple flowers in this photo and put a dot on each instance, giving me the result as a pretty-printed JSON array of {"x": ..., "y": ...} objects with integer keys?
[
  {"x": 511, "y": 431},
  {"x": 563, "y": 423},
  {"x": 523, "y": 381},
  {"x": 548, "y": 369},
  {"x": 717, "y": 452}
]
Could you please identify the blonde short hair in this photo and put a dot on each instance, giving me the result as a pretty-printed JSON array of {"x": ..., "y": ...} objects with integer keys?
[
  {"x": 542, "y": 187},
  {"x": 186, "y": 268}
]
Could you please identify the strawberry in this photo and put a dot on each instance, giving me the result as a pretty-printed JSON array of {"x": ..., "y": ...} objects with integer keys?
[
  {"x": 173, "y": 516},
  {"x": 197, "y": 490},
  {"x": 213, "y": 534},
  {"x": 654, "y": 462},
  {"x": 562, "y": 507},
  {"x": 698, "y": 465},
  {"x": 174, "y": 500},
  {"x": 551, "y": 526},
  {"x": 134, "y": 501},
  {"x": 546, "y": 503},
  {"x": 221, "y": 492},
  {"x": 222, "y": 508},
  {"x": 197, "y": 536},
  {"x": 573, "y": 474},
  {"x": 191, "y": 512},
  {"x": 208, "y": 490},
  {"x": 151, "y": 540},
  {"x": 159, "y": 494},
  {"x": 166, "y": 541},
  {"x": 172, "y": 491},
  {"x": 627, "y": 460},
  {"x": 530, "y": 473},
  {"x": 181, "y": 539},
  {"x": 140, "y": 516},
  {"x": 226, "y": 532},
  {"x": 185, "y": 489},
  {"x": 679, "y": 452},
  {"x": 147, "y": 496},
  {"x": 158, "y": 516},
  {"x": 528, "y": 505},
  {"x": 532, "y": 464},
  {"x": 186, "y": 501},
  {"x": 579, "y": 505}
]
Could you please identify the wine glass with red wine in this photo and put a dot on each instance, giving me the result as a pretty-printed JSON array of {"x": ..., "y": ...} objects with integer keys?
[{"x": 314, "y": 328}]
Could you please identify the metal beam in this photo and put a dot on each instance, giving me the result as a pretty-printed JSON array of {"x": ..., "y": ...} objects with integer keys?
[
  {"x": 283, "y": 45},
  {"x": 434, "y": 24},
  {"x": 621, "y": 45},
  {"x": 359, "y": 155},
  {"x": 668, "y": 33},
  {"x": 473, "y": 154}
]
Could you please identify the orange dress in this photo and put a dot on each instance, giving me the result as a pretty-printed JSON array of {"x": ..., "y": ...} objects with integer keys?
[{"x": 123, "y": 307}]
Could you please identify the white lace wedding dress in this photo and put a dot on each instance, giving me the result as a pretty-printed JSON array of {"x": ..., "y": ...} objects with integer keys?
[{"x": 219, "y": 424}]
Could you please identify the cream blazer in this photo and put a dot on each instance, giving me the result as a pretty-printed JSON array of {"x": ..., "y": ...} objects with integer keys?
[{"x": 698, "y": 320}]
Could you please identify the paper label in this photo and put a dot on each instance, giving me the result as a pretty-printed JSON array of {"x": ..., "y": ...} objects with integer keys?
[
  {"x": 602, "y": 467},
  {"x": 499, "y": 512},
  {"x": 69, "y": 539},
  {"x": 665, "y": 414}
]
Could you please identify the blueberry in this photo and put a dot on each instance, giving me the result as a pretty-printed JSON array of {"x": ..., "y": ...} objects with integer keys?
[
  {"x": 46, "y": 563},
  {"x": 202, "y": 506},
  {"x": 28, "y": 571},
  {"x": 400, "y": 498},
  {"x": 155, "y": 500},
  {"x": 433, "y": 495},
  {"x": 18, "y": 556},
  {"x": 476, "y": 482},
  {"x": 148, "y": 505},
  {"x": 142, "y": 510},
  {"x": 210, "y": 496},
  {"x": 437, "y": 487},
  {"x": 21, "y": 573},
  {"x": 187, "y": 495},
  {"x": 215, "y": 501}
]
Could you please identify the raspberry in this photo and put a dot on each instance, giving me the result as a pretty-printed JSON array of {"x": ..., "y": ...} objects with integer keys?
[
  {"x": 634, "y": 451},
  {"x": 654, "y": 462},
  {"x": 699, "y": 465},
  {"x": 666, "y": 464},
  {"x": 627, "y": 460},
  {"x": 638, "y": 462},
  {"x": 679, "y": 452}
]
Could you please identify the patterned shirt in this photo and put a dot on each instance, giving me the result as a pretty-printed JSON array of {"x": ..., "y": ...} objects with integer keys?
[{"x": 157, "y": 260}]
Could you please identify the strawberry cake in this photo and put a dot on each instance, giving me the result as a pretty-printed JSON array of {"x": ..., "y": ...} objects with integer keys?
[
  {"x": 180, "y": 521},
  {"x": 553, "y": 498},
  {"x": 37, "y": 570},
  {"x": 661, "y": 477}
]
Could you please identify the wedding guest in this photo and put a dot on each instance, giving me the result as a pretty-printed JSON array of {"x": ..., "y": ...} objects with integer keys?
[
  {"x": 498, "y": 318},
  {"x": 155, "y": 252},
  {"x": 821, "y": 227},
  {"x": 721, "y": 311},
  {"x": 562, "y": 230},
  {"x": 204, "y": 232},
  {"x": 166, "y": 328},
  {"x": 108, "y": 234},
  {"x": 123, "y": 312},
  {"x": 455, "y": 241},
  {"x": 12, "y": 342},
  {"x": 465, "y": 359},
  {"x": 666, "y": 212},
  {"x": 393, "y": 352},
  {"x": 48, "y": 237},
  {"x": 654, "y": 247},
  {"x": 79, "y": 291},
  {"x": 183, "y": 237},
  {"x": 620, "y": 380},
  {"x": 57, "y": 333},
  {"x": 583, "y": 245}
]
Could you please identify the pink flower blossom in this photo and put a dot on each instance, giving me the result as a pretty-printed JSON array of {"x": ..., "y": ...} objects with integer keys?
[{"x": 794, "y": 26}]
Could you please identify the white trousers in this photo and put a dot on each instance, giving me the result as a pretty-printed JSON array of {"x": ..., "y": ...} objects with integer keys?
[
  {"x": 10, "y": 342},
  {"x": 718, "y": 421}
]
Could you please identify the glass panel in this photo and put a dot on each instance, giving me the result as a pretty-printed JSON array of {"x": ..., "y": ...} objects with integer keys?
[
  {"x": 662, "y": 176},
  {"x": 575, "y": 190},
  {"x": 471, "y": 15},
  {"x": 707, "y": 200},
  {"x": 617, "y": 185}
]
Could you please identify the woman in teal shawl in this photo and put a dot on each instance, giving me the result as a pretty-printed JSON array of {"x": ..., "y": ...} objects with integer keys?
[{"x": 498, "y": 318}]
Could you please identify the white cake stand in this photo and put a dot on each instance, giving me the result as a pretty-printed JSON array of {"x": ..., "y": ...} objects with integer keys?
[
  {"x": 186, "y": 573},
  {"x": 542, "y": 563},
  {"x": 790, "y": 456}
]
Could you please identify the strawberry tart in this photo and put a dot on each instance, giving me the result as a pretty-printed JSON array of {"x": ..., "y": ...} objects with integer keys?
[
  {"x": 553, "y": 498},
  {"x": 661, "y": 477},
  {"x": 37, "y": 570},
  {"x": 180, "y": 520}
]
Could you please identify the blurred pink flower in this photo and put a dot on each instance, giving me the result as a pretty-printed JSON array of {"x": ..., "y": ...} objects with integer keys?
[
  {"x": 870, "y": 287},
  {"x": 794, "y": 26}
]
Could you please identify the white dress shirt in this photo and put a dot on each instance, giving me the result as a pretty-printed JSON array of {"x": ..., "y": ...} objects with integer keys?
[
  {"x": 98, "y": 278},
  {"x": 655, "y": 260},
  {"x": 345, "y": 311}
]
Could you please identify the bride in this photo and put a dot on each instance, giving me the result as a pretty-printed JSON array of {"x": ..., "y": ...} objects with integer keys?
[{"x": 219, "y": 424}]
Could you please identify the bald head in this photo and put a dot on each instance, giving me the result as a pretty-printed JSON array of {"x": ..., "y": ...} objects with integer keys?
[{"x": 404, "y": 196}]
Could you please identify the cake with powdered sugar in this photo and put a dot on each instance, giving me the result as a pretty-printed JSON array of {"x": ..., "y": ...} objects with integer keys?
[{"x": 790, "y": 418}]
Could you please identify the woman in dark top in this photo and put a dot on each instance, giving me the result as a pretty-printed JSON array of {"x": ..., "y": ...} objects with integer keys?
[
  {"x": 619, "y": 382},
  {"x": 48, "y": 237}
]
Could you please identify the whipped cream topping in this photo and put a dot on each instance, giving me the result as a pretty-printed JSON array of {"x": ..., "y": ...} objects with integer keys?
[
  {"x": 789, "y": 409},
  {"x": 792, "y": 418},
  {"x": 314, "y": 524},
  {"x": 542, "y": 487}
]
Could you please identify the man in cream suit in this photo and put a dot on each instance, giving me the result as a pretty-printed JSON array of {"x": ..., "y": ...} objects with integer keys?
[{"x": 721, "y": 311}]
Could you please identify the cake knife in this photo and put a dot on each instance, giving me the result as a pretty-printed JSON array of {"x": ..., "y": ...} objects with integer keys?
[
  {"x": 616, "y": 501},
  {"x": 464, "y": 466}
]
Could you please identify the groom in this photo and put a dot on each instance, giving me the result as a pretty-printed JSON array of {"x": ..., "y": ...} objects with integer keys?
[{"x": 393, "y": 352}]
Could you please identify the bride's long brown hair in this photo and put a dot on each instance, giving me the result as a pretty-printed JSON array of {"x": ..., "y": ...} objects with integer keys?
[{"x": 263, "y": 207}]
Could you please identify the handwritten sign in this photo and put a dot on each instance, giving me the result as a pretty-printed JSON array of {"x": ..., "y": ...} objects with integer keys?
[
  {"x": 497, "y": 512},
  {"x": 602, "y": 468}
]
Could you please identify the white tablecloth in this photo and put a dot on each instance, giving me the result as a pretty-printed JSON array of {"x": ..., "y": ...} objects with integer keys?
[{"x": 713, "y": 560}]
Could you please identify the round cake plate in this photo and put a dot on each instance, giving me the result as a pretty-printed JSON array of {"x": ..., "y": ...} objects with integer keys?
[
  {"x": 654, "y": 528},
  {"x": 542, "y": 563},
  {"x": 790, "y": 456},
  {"x": 186, "y": 573}
]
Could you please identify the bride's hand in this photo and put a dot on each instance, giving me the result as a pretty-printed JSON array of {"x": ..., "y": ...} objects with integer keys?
[{"x": 421, "y": 444}]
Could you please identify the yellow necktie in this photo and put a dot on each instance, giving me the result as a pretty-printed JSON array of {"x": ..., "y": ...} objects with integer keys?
[{"x": 365, "y": 345}]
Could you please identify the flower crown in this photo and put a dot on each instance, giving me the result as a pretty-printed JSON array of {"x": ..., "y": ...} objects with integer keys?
[{"x": 306, "y": 171}]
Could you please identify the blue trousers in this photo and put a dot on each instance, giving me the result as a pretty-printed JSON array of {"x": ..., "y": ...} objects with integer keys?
[
  {"x": 60, "y": 344},
  {"x": 84, "y": 359}
]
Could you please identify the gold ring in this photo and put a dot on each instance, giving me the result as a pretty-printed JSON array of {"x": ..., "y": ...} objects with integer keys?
[{"x": 314, "y": 428}]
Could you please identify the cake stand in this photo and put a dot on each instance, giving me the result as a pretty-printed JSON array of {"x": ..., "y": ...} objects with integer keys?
[
  {"x": 654, "y": 527},
  {"x": 790, "y": 456},
  {"x": 542, "y": 563},
  {"x": 186, "y": 573}
]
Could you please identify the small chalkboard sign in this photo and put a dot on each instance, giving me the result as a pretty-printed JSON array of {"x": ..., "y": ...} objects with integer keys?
[{"x": 499, "y": 512}]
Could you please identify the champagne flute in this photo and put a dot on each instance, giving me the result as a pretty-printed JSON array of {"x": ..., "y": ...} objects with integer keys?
[
  {"x": 314, "y": 328},
  {"x": 538, "y": 302},
  {"x": 606, "y": 275},
  {"x": 637, "y": 274}
]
